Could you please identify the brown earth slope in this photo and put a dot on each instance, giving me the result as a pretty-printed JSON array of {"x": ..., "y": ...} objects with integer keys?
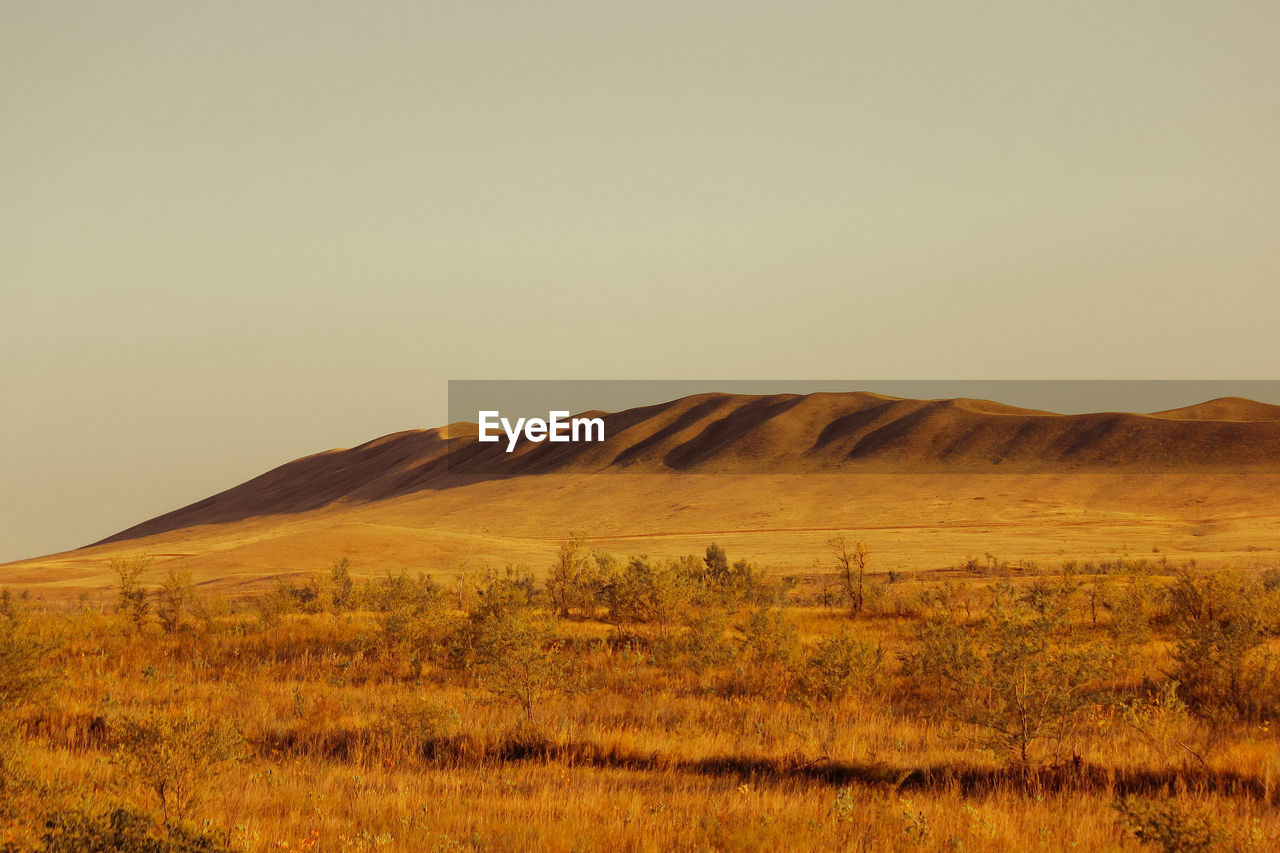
[
  {"x": 927, "y": 482},
  {"x": 854, "y": 433}
]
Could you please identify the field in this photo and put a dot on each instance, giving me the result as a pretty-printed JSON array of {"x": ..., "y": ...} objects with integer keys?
[
  {"x": 939, "y": 625},
  {"x": 916, "y": 522},
  {"x": 650, "y": 703}
]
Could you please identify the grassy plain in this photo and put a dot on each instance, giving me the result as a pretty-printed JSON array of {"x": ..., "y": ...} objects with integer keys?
[
  {"x": 281, "y": 708},
  {"x": 666, "y": 710}
]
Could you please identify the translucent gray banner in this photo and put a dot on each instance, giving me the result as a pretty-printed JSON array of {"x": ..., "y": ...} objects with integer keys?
[{"x": 514, "y": 427}]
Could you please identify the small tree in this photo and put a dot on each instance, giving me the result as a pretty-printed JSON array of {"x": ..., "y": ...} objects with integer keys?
[
  {"x": 1098, "y": 592},
  {"x": 416, "y": 625},
  {"x": 726, "y": 585},
  {"x": 716, "y": 561},
  {"x": 132, "y": 606},
  {"x": 1130, "y": 624},
  {"x": 1219, "y": 623},
  {"x": 176, "y": 757},
  {"x": 770, "y": 652},
  {"x": 174, "y": 599},
  {"x": 25, "y": 673},
  {"x": 521, "y": 660},
  {"x": 1008, "y": 677},
  {"x": 651, "y": 592},
  {"x": 576, "y": 579},
  {"x": 841, "y": 666},
  {"x": 851, "y": 559},
  {"x": 343, "y": 586}
]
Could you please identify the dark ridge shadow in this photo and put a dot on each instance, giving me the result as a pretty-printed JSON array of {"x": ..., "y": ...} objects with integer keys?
[
  {"x": 728, "y": 430},
  {"x": 850, "y": 424},
  {"x": 686, "y": 419}
]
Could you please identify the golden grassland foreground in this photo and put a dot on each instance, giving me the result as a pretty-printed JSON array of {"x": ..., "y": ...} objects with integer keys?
[{"x": 692, "y": 703}]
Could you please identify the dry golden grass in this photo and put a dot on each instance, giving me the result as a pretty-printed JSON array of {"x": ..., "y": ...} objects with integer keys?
[
  {"x": 917, "y": 522},
  {"x": 648, "y": 751}
]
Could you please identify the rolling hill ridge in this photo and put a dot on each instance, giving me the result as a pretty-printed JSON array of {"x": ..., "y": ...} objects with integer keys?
[{"x": 826, "y": 433}]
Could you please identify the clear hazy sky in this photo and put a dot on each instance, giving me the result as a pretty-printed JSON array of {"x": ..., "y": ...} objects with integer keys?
[{"x": 235, "y": 233}]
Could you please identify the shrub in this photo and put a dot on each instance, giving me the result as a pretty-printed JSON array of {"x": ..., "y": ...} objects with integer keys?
[
  {"x": 177, "y": 757},
  {"x": 24, "y": 652},
  {"x": 343, "y": 596},
  {"x": 418, "y": 629},
  {"x": 132, "y": 605},
  {"x": 401, "y": 591},
  {"x": 577, "y": 580},
  {"x": 422, "y": 722},
  {"x": 515, "y": 656},
  {"x": 1008, "y": 677},
  {"x": 770, "y": 653},
  {"x": 705, "y": 643},
  {"x": 653, "y": 593},
  {"x": 271, "y": 607},
  {"x": 25, "y": 673},
  {"x": 1218, "y": 625},
  {"x": 1168, "y": 824},
  {"x": 1130, "y": 624},
  {"x": 174, "y": 598},
  {"x": 851, "y": 561},
  {"x": 499, "y": 594},
  {"x": 1159, "y": 718},
  {"x": 841, "y": 666},
  {"x": 119, "y": 831},
  {"x": 724, "y": 585}
]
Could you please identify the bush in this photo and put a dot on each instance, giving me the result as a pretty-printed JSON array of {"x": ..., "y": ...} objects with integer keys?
[
  {"x": 25, "y": 674},
  {"x": 400, "y": 591},
  {"x": 343, "y": 595},
  {"x": 725, "y": 585},
  {"x": 24, "y": 652},
  {"x": 653, "y": 593},
  {"x": 770, "y": 654},
  {"x": 177, "y": 757},
  {"x": 500, "y": 594},
  {"x": 1130, "y": 624},
  {"x": 174, "y": 599},
  {"x": 842, "y": 666},
  {"x": 119, "y": 831},
  {"x": 851, "y": 560},
  {"x": 422, "y": 723},
  {"x": 1009, "y": 677},
  {"x": 1219, "y": 628},
  {"x": 416, "y": 630},
  {"x": 1169, "y": 825},
  {"x": 577, "y": 580},
  {"x": 705, "y": 643},
  {"x": 132, "y": 606},
  {"x": 515, "y": 656}
]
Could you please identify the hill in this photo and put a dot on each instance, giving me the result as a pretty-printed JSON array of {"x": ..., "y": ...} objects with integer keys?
[
  {"x": 928, "y": 481},
  {"x": 1225, "y": 409},
  {"x": 782, "y": 434}
]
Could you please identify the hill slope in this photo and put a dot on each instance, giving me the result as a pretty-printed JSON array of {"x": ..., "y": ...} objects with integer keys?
[
  {"x": 781, "y": 434},
  {"x": 1225, "y": 409},
  {"x": 926, "y": 482}
]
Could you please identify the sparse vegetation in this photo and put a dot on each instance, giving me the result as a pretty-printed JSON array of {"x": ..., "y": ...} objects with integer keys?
[{"x": 652, "y": 702}]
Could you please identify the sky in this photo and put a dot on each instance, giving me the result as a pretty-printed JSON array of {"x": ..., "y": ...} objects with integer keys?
[{"x": 232, "y": 234}]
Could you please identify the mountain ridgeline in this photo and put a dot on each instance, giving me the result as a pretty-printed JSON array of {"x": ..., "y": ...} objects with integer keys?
[{"x": 827, "y": 433}]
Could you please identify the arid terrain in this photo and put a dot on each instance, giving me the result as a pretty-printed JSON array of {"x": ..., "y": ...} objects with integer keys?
[
  {"x": 797, "y": 623},
  {"x": 931, "y": 482}
]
